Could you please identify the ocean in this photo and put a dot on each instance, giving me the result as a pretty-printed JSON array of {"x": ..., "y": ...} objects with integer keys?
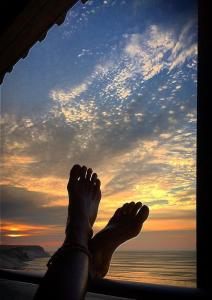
[{"x": 176, "y": 268}]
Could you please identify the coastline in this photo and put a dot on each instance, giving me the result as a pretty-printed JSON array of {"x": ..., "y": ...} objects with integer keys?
[{"x": 16, "y": 256}]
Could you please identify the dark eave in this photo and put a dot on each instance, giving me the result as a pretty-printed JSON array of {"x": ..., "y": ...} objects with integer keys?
[{"x": 23, "y": 23}]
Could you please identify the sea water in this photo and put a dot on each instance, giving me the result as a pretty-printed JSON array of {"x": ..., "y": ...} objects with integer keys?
[{"x": 177, "y": 268}]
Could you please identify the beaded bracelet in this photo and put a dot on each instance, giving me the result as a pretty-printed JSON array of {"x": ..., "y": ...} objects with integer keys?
[{"x": 65, "y": 250}]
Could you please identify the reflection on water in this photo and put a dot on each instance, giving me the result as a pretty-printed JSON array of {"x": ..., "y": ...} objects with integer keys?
[
  {"x": 167, "y": 267},
  {"x": 176, "y": 268}
]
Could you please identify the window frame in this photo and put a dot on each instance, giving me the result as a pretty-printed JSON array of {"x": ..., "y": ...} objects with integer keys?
[{"x": 204, "y": 246}]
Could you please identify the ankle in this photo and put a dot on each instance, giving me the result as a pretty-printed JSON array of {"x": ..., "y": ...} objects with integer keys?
[{"x": 79, "y": 233}]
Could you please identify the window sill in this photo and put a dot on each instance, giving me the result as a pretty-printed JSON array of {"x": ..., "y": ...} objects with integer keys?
[{"x": 118, "y": 288}]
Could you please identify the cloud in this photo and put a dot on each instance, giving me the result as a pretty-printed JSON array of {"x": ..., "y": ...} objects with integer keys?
[
  {"x": 18, "y": 230},
  {"x": 143, "y": 55},
  {"x": 135, "y": 128},
  {"x": 172, "y": 213},
  {"x": 170, "y": 240},
  {"x": 183, "y": 56},
  {"x": 157, "y": 202},
  {"x": 183, "y": 38},
  {"x": 148, "y": 50},
  {"x": 27, "y": 213},
  {"x": 132, "y": 173},
  {"x": 69, "y": 95},
  {"x": 148, "y": 54},
  {"x": 49, "y": 148},
  {"x": 185, "y": 47},
  {"x": 20, "y": 205},
  {"x": 84, "y": 52}
]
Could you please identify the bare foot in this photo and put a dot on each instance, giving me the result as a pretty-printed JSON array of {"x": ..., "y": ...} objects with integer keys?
[
  {"x": 125, "y": 224},
  {"x": 84, "y": 197}
]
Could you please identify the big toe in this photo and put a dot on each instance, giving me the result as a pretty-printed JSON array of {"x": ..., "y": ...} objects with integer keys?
[
  {"x": 74, "y": 173},
  {"x": 135, "y": 209},
  {"x": 143, "y": 214}
]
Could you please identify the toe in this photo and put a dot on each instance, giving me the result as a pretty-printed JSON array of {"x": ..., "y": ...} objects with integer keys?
[
  {"x": 135, "y": 209},
  {"x": 74, "y": 174},
  {"x": 116, "y": 215},
  {"x": 142, "y": 214},
  {"x": 130, "y": 207},
  {"x": 94, "y": 178},
  {"x": 124, "y": 209},
  {"x": 98, "y": 184},
  {"x": 89, "y": 173},
  {"x": 97, "y": 190},
  {"x": 82, "y": 173}
]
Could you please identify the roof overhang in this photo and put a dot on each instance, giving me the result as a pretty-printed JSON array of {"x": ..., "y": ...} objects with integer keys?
[{"x": 28, "y": 23}]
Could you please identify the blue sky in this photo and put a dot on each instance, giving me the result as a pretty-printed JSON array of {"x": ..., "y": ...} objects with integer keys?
[{"x": 113, "y": 87}]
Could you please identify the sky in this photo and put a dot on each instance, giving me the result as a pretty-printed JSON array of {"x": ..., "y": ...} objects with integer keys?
[{"x": 114, "y": 88}]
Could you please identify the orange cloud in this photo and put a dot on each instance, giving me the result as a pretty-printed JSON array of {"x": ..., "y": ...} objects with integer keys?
[
  {"x": 170, "y": 224},
  {"x": 11, "y": 229},
  {"x": 11, "y": 160},
  {"x": 9, "y": 226}
]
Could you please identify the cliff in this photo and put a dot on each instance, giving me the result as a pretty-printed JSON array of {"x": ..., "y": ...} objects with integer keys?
[{"x": 15, "y": 257}]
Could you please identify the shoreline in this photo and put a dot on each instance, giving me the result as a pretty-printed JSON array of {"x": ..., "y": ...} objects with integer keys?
[{"x": 17, "y": 256}]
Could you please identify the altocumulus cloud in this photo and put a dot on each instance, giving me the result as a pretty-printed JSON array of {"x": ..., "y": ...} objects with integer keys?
[{"x": 135, "y": 94}]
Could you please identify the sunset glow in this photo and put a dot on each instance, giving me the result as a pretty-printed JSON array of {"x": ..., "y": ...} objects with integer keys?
[
  {"x": 112, "y": 88},
  {"x": 16, "y": 235}
]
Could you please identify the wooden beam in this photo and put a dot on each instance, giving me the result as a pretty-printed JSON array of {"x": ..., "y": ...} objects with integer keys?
[{"x": 28, "y": 28}]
